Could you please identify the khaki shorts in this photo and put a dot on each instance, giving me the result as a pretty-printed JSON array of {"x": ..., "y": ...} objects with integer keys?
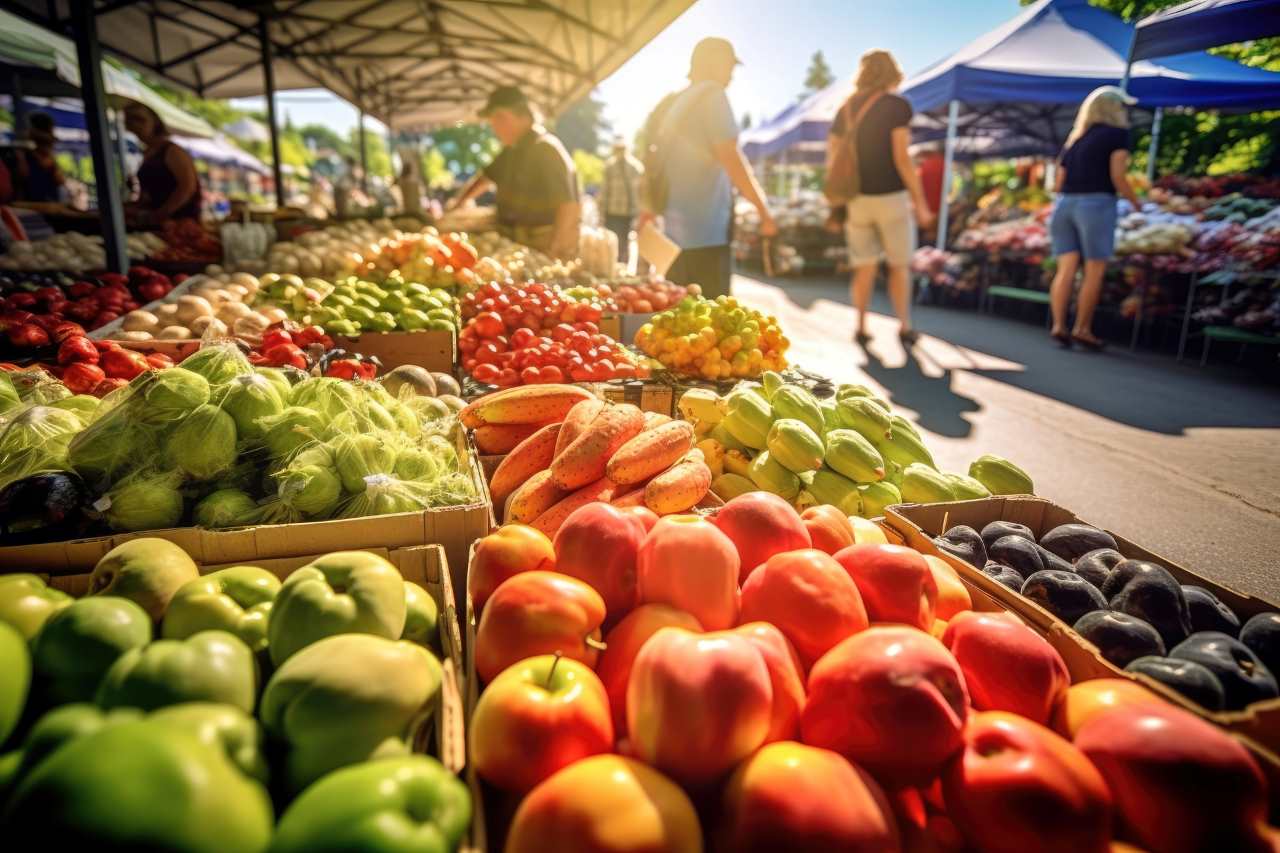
[{"x": 880, "y": 226}]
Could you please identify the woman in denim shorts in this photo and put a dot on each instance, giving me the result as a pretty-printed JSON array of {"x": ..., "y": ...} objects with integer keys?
[{"x": 1092, "y": 171}]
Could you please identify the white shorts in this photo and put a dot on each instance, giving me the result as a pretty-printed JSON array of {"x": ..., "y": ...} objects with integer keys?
[{"x": 880, "y": 226}]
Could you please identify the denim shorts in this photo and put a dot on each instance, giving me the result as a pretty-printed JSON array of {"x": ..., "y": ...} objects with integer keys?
[{"x": 1084, "y": 223}]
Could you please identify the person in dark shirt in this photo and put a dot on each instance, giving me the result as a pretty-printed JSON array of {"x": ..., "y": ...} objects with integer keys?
[
  {"x": 167, "y": 179},
  {"x": 535, "y": 181},
  {"x": 1092, "y": 171},
  {"x": 881, "y": 221},
  {"x": 39, "y": 177}
]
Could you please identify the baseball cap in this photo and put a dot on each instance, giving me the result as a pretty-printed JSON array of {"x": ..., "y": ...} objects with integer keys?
[
  {"x": 503, "y": 98},
  {"x": 1117, "y": 93},
  {"x": 713, "y": 50}
]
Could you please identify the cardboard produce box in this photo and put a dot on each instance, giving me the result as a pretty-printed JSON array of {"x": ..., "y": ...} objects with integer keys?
[
  {"x": 453, "y": 528},
  {"x": 919, "y": 523},
  {"x": 435, "y": 350}
]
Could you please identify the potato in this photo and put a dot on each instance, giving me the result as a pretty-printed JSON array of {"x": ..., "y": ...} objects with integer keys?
[
  {"x": 191, "y": 307},
  {"x": 140, "y": 321},
  {"x": 174, "y": 333}
]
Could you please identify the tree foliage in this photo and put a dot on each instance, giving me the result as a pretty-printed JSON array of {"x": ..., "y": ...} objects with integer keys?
[
  {"x": 466, "y": 148},
  {"x": 819, "y": 76},
  {"x": 590, "y": 169},
  {"x": 583, "y": 127},
  {"x": 375, "y": 150}
]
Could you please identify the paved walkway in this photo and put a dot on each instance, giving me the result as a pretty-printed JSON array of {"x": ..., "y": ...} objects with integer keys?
[{"x": 1182, "y": 459}]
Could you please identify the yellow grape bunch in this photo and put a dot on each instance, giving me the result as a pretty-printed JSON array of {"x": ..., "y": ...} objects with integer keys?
[{"x": 714, "y": 339}]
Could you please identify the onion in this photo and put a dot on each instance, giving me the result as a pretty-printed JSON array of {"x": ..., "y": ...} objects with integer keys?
[
  {"x": 191, "y": 307},
  {"x": 250, "y": 325},
  {"x": 174, "y": 333},
  {"x": 167, "y": 314},
  {"x": 140, "y": 321},
  {"x": 237, "y": 292},
  {"x": 229, "y": 312},
  {"x": 201, "y": 325},
  {"x": 244, "y": 279},
  {"x": 135, "y": 335}
]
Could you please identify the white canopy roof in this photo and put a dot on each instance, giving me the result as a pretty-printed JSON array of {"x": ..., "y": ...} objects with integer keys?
[{"x": 411, "y": 63}]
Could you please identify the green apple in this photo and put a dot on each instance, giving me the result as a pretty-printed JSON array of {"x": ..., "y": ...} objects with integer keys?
[
  {"x": 147, "y": 571},
  {"x": 15, "y": 664},
  {"x": 237, "y": 599},
  {"x": 422, "y": 616},
  {"x": 26, "y": 601},
  {"x": 346, "y": 699},
  {"x": 339, "y": 593},
  {"x": 79, "y": 643}
]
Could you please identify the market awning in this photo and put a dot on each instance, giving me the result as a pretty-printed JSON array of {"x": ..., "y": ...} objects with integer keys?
[
  {"x": 1202, "y": 24},
  {"x": 409, "y": 63},
  {"x": 24, "y": 45}
]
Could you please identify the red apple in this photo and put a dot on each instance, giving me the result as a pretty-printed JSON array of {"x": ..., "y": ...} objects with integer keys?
[
  {"x": 697, "y": 704},
  {"x": 786, "y": 675},
  {"x": 538, "y": 613},
  {"x": 809, "y": 597},
  {"x": 1017, "y": 786},
  {"x": 788, "y": 796},
  {"x": 892, "y": 700},
  {"x": 647, "y": 516},
  {"x": 606, "y": 804},
  {"x": 895, "y": 582},
  {"x": 761, "y": 524},
  {"x": 828, "y": 527},
  {"x": 687, "y": 562},
  {"x": 509, "y": 550},
  {"x": 537, "y": 716},
  {"x": 953, "y": 595},
  {"x": 1006, "y": 665},
  {"x": 1085, "y": 700},
  {"x": 598, "y": 544},
  {"x": 623, "y": 643},
  {"x": 1180, "y": 785}
]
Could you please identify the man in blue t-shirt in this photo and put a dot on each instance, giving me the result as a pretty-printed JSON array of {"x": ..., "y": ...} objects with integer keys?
[{"x": 703, "y": 165}]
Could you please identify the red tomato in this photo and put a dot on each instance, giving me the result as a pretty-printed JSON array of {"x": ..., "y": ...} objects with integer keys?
[
  {"x": 487, "y": 353},
  {"x": 488, "y": 324},
  {"x": 589, "y": 328},
  {"x": 603, "y": 370},
  {"x": 531, "y": 376},
  {"x": 624, "y": 370},
  {"x": 590, "y": 313},
  {"x": 569, "y": 314},
  {"x": 512, "y": 315},
  {"x": 551, "y": 373},
  {"x": 580, "y": 342},
  {"x": 501, "y": 343},
  {"x": 531, "y": 320},
  {"x": 580, "y": 372},
  {"x": 486, "y": 373},
  {"x": 467, "y": 345},
  {"x": 507, "y": 377},
  {"x": 562, "y": 332},
  {"x": 490, "y": 289},
  {"x": 523, "y": 338}
]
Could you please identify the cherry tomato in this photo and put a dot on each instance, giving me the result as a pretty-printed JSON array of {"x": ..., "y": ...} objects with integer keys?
[
  {"x": 507, "y": 377},
  {"x": 531, "y": 376},
  {"x": 486, "y": 373},
  {"x": 523, "y": 338},
  {"x": 469, "y": 365},
  {"x": 487, "y": 353},
  {"x": 551, "y": 373},
  {"x": 488, "y": 324},
  {"x": 501, "y": 343},
  {"x": 467, "y": 345}
]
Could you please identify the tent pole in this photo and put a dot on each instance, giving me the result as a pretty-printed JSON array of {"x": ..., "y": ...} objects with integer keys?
[
  {"x": 364, "y": 149},
  {"x": 269, "y": 79},
  {"x": 944, "y": 209},
  {"x": 1128, "y": 62},
  {"x": 89, "y": 55},
  {"x": 1154, "y": 150}
]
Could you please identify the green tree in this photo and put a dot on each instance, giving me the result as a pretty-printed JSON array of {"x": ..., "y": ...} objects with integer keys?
[
  {"x": 819, "y": 75},
  {"x": 375, "y": 150},
  {"x": 583, "y": 127},
  {"x": 466, "y": 148},
  {"x": 590, "y": 169},
  {"x": 321, "y": 136},
  {"x": 435, "y": 170}
]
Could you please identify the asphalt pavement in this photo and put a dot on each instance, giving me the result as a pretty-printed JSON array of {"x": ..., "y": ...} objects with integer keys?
[{"x": 1181, "y": 459}]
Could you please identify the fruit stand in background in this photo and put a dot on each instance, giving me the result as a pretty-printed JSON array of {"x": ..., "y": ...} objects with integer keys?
[{"x": 803, "y": 245}]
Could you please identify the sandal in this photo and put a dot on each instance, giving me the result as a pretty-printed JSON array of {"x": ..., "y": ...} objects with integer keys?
[
  {"x": 908, "y": 337},
  {"x": 1091, "y": 344},
  {"x": 862, "y": 338},
  {"x": 1063, "y": 339}
]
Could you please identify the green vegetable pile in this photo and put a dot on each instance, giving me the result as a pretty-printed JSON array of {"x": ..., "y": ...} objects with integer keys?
[
  {"x": 170, "y": 710},
  {"x": 354, "y": 305},
  {"x": 217, "y": 443}
]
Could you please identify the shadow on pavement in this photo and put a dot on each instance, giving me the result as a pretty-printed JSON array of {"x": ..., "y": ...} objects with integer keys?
[
  {"x": 939, "y": 408},
  {"x": 1144, "y": 389}
]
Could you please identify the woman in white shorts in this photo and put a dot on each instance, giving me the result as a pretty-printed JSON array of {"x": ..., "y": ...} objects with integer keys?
[{"x": 881, "y": 221}]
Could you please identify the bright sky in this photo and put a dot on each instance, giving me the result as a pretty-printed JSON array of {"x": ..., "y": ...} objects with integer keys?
[{"x": 774, "y": 38}]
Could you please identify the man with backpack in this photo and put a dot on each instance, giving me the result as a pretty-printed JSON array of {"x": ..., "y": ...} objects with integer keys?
[{"x": 693, "y": 164}]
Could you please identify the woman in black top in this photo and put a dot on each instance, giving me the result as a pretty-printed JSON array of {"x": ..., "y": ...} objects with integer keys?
[
  {"x": 167, "y": 178},
  {"x": 881, "y": 221},
  {"x": 1091, "y": 172}
]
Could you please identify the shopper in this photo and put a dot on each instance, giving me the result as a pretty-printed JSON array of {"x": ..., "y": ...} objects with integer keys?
[
  {"x": 1093, "y": 170},
  {"x": 620, "y": 195},
  {"x": 39, "y": 177},
  {"x": 410, "y": 190},
  {"x": 169, "y": 186},
  {"x": 881, "y": 219},
  {"x": 534, "y": 179},
  {"x": 348, "y": 197},
  {"x": 694, "y": 136}
]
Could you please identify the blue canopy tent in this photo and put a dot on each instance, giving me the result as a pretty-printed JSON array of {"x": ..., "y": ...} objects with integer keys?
[{"x": 1203, "y": 24}]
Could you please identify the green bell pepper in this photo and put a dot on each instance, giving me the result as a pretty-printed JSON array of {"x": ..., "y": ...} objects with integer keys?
[
  {"x": 237, "y": 599},
  {"x": 138, "y": 786},
  {"x": 421, "y": 616},
  {"x": 15, "y": 678},
  {"x": 396, "y": 804},
  {"x": 212, "y": 666},
  {"x": 342, "y": 592},
  {"x": 26, "y": 601},
  {"x": 233, "y": 731}
]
